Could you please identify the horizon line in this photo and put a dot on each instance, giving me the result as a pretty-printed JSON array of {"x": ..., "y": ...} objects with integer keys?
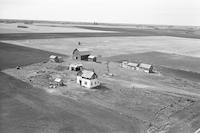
[{"x": 95, "y": 22}]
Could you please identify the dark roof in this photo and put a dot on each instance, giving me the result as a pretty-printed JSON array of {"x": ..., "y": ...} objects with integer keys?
[
  {"x": 83, "y": 51},
  {"x": 86, "y": 74}
]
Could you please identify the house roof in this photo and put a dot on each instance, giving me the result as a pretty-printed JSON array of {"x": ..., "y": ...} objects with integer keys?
[
  {"x": 132, "y": 64},
  {"x": 53, "y": 57},
  {"x": 87, "y": 74},
  {"x": 83, "y": 51},
  {"x": 146, "y": 66}
]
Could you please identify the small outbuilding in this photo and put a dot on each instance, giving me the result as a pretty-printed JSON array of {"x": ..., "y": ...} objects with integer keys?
[
  {"x": 130, "y": 65},
  {"x": 146, "y": 68},
  {"x": 54, "y": 58},
  {"x": 88, "y": 79},
  {"x": 18, "y": 67},
  {"x": 75, "y": 67},
  {"x": 80, "y": 54},
  {"x": 124, "y": 64},
  {"x": 58, "y": 82},
  {"x": 92, "y": 58}
]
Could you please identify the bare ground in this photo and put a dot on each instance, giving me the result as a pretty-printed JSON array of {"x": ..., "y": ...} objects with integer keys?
[
  {"x": 149, "y": 99},
  {"x": 28, "y": 109},
  {"x": 24, "y": 108}
]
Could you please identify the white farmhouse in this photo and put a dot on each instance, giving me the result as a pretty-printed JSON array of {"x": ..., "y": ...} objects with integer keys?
[{"x": 87, "y": 79}]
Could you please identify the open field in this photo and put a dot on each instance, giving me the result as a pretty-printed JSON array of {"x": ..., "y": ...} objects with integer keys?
[
  {"x": 131, "y": 29},
  {"x": 38, "y": 28},
  {"x": 12, "y": 55},
  {"x": 151, "y": 31},
  {"x": 117, "y": 45},
  {"x": 10, "y": 31},
  {"x": 130, "y": 101}
]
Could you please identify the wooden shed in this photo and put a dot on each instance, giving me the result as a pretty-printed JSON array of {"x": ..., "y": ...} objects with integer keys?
[
  {"x": 146, "y": 68},
  {"x": 133, "y": 65},
  {"x": 58, "y": 82},
  {"x": 80, "y": 54},
  {"x": 130, "y": 65},
  {"x": 54, "y": 58},
  {"x": 92, "y": 58},
  {"x": 75, "y": 67}
]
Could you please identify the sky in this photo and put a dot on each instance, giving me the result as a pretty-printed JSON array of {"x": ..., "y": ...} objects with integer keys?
[{"x": 169, "y": 12}]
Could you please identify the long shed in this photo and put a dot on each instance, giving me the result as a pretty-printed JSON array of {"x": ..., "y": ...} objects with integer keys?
[{"x": 146, "y": 67}]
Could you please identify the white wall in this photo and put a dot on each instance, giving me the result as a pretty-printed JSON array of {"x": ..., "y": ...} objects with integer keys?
[{"x": 88, "y": 83}]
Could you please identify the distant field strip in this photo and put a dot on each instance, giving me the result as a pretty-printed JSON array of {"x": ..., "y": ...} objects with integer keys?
[
  {"x": 150, "y": 32},
  {"x": 91, "y": 31},
  {"x": 34, "y": 28},
  {"x": 25, "y": 36}
]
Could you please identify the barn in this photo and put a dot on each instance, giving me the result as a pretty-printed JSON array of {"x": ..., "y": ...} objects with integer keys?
[
  {"x": 87, "y": 79},
  {"x": 146, "y": 68},
  {"x": 80, "y": 54}
]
